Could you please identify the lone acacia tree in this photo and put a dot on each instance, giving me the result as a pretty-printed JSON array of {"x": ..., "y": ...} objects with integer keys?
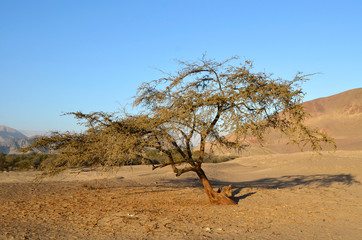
[{"x": 202, "y": 102}]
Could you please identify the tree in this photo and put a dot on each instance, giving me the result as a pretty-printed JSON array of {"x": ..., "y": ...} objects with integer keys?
[{"x": 201, "y": 103}]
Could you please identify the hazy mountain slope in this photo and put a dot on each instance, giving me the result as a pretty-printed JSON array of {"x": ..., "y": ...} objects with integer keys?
[
  {"x": 7, "y": 133},
  {"x": 340, "y": 116},
  {"x": 11, "y": 146},
  {"x": 11, "y": 140},
  {"x": 30, "y": 133}
]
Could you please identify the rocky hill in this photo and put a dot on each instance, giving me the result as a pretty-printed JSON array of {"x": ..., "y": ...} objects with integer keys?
[
  {"x": 11, "y": 146},
  {"x": 7, "y": 133},
  {"x": 11, "y": 140},
  {"x": 340, "y": 116}
]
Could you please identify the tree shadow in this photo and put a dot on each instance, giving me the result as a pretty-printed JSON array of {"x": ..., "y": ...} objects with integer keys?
[
  {"x": 317, "y": 180},
  {"x": 290, "y": 181},
  {"x": 237, "y": 199}
]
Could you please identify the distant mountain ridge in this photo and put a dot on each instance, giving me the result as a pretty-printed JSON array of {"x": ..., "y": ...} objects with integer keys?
[
  {"x": 30, "y": 133},
  {"x": 7, "y": 133},
  {"x": 348, "y": 102},
  {"x": 12, "y": 146},
  {"x": 11, "y": 140}
]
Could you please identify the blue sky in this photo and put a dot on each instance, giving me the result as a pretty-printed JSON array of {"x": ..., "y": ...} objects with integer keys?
[{"x": 61, "y": 56}]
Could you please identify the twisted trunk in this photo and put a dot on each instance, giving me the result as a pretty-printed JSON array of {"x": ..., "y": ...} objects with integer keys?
[{"x": 214, "y": 197}]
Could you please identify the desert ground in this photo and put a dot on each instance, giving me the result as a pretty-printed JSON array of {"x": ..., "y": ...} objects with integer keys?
[{"x": 279, "y": 196}]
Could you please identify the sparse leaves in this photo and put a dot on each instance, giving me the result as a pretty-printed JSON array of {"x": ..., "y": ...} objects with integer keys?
[{"x": 203, "y": 101}]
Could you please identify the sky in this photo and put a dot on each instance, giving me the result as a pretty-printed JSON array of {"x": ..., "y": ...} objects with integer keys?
[{"x": 72, "y": 55}]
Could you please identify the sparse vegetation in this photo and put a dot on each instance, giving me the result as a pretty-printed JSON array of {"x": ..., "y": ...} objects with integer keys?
[
  {"x": 22, "y": 162},
  {"x": 35, "y": 161}
]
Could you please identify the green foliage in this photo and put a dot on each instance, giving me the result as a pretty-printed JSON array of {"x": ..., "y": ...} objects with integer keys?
[
  {"x": 34, "y": 161},
  {"x": 212, "y": 158},
  {"x": 2, "y": 161},
  {"x": 20, "y": 162}
]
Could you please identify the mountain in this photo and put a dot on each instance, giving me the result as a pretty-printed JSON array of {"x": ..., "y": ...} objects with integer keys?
[
  {"x": 7, "y": 133},
  {"x": 345, "y": 103},
  {"x": 11, "y": 140},
  {"x": 340, "y": 116},
  {"x": 30, "y": 133},
  {"x": 11, "y": 146}
]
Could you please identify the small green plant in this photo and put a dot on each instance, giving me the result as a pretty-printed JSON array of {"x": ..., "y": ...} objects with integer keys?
[{"x": 212, "y": 158}]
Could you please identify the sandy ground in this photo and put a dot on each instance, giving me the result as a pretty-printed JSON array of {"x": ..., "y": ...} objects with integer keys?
[{"x": 290, "y": 196}]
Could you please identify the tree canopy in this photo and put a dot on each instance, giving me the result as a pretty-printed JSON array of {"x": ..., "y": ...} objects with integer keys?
[{"x": 202, "y": 102}]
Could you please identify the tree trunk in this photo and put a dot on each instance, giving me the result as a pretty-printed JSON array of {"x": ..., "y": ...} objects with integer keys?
[{"x": 214, "y": 197}]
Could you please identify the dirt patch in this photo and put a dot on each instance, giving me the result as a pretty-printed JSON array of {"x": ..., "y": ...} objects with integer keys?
[
  {"x": 90, "y": 211},
  {"x": 297, "y": 206}
]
